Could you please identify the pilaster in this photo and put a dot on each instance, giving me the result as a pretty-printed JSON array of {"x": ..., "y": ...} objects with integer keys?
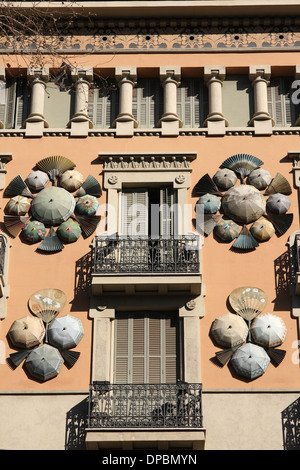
[
  {"x": 170, "y": 80},
  {"x": 36, "y": 122},
  {"x": 213, "y": 78},
  {"x": 126, "y": 81},
  {"x": 261, "y": 120},
  {"x": 80, "y": 122}
]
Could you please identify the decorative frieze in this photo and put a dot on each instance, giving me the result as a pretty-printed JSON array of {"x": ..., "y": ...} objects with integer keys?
[{"x": 147, "y": 162}]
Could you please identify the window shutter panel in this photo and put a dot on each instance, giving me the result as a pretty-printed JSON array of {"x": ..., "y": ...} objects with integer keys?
[
  {"x": 170, "y": 372},
  {"x": 138, "y": 350},
  {"x": 10, "y": 105},
  {"x": 2, "y": 101},
  {"x": 121, "y": 368},
  {"x": 22, "y": 104},
  {"x": 135, "y": 103},
  {"x": 91, "y": 105},
  {"x": 155, "y": 350},
  {"x": 134, "y": 212},
  {"x": 286, "y": 84},
  {"x": 279, "y": 103},
  {"x": 168, "y": 216},
  {"x": 270, "y": 99}
]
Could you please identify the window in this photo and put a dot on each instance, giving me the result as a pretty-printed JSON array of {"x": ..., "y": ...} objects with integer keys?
[
  {"x": 103, "y": 107},
  {"x": 146, "y": 348},
  {"x": 237, "y": 100},
  {"x": 192, "y": 102},
  {"x": 280, "y": 106},
  {"x": 147, "y": 102},
  {"x": 149, "y": 211},
  {"x": 14, "y": 103}
]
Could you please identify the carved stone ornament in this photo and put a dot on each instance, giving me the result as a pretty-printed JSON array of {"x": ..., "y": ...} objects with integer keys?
[
  {"x": 180, "y": 179},
  {"x": 190, "y": 305},
  {"x": 113, "y": 179}
]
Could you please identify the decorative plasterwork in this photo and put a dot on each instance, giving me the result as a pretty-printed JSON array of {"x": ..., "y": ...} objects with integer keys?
[
  {"x": 184, "y": 34},
  {"x": 138, "y": 162}
]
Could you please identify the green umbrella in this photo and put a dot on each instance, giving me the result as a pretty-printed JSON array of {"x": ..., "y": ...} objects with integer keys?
[
  {"x": 34, "y": 231},
  {"x": 69, "y": 231},
  {"x": 87, "y": 205},
  {"x": 227, "y": 230},
  {"x": 211, "y": 203},
  {"x": 53, "y": 205}
]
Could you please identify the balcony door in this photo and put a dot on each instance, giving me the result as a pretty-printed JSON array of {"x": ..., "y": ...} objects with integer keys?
[{"x": 146, "y": 348}]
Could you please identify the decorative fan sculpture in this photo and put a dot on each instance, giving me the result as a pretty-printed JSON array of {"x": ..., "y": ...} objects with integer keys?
[
  {"x": 258, "y": 205},
  {"x": 52, "y": 203},
  {"x": 45, "y": 339},
  {"x": 250, "y": 339}
]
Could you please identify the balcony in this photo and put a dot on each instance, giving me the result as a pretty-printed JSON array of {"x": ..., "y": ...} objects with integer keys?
[
  {"x": 134, "y": 413},
  {"x": 132, "y": 265}
]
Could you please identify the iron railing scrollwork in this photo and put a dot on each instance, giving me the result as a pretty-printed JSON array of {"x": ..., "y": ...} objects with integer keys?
[
  {"x": 2, "y": 254},
  {"x": 130, "y": 254},
  {"x": 145, "y": 405}
]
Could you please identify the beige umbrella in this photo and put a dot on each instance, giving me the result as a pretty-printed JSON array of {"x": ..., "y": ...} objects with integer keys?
[
  {"x": 71, "y": 180},
  {"x": 225, "y": 178},
  {"x": 262, "y": 230},
  {"x": 27, "y": 332},
  {"x": 243, "y": 204},
  {"x": 268, "y": 330},
  {"x": 18, "y": 205},
  {"x": 229, "y": 330}
]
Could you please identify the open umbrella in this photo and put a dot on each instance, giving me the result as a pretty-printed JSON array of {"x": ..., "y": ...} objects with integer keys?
[
  {"x": 278, "y": 203},
  {"x": 65, "y": 332},
  {"x": 211, "y": 203},
  {"x": 259, "y": 178},
  {"x": 268, "y": 330},
  {"x": 53, "y": 205},
  {"x": 229, "y": 330},
  {"x": 262, "y": 230},
  {"x": 87, "y": 205},
  {"x": 27, "y": 332},
  {"x": 37, "y": 180},
  {"x": 243, "y": 204},
  {"x": 227, "y": 230},
  {"x": 250, "y": 360},
  {"x": 44, "y": 362},
  {"x": 69, "y": 231},
  {"x": 18, "y": 205},
  {"x": 34, "y": 231},
  {"x": 71, "y": 180},
  {"x": 225, "y": 178}
]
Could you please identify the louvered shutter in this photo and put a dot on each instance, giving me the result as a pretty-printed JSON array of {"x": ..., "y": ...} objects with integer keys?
[
  {"x": 168, "y": 212},
  {"x": 147, "y": 103},
  {"x": 102, "y": 109},
  {"x": 145, "y": 348},
  {"x": 279, "y": 103},
  {"x": 10, "y": 104},
  {"x": 22, "y": 103},
  {"x": 191, "y": 102},
  {"x": 134, "y": 212},
  {"x": 2, "y": 101}
]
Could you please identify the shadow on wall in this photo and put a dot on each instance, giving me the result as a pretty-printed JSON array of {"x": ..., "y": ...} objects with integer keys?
[
  {"x": 282, "y": 273},
  {"x": 83, "y": 279},
  {"x": 290, "y": 418},
  {"x": 76, "y": 422}
]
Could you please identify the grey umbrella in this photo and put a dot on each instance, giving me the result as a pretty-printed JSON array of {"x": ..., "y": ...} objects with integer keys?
[
  {"x": 268, "y": 330},
  {"x": 44, "y": 362},
  {"x": 53, "y": 205},
  {"x": 250, "y": 360},
  {"x": 278, "y": 203},
  {"x": 243, "y": 204},
  {"x": 65, "y": 332}
]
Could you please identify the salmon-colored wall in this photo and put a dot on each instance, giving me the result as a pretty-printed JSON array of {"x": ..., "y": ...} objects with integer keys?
[{"x": 223, "y": 270}]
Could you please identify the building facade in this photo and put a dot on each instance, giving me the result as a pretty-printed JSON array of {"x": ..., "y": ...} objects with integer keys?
[{"x": 149, "y": 187}]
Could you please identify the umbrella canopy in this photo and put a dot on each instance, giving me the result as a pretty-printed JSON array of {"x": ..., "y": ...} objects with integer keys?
[
  {"x": 87, "y": 205},
  {"x": 37, "y": 180},
  {"x": 34, "y": 231},
  {"x": 278, "y": 203},
  {"x": 53, "y": 205},
  {"x": 230, "y": 330},
  {"x": 211, "y": 203},
  {"x": 225, "y": 178},
  {"x": 262, "y": 230},
  {"x": 69, "y": 231},
  {"x": 250, "y": 360},
  {"x": 44, "y": 362},
  {"x": 243, "y": 204},
  {"x": 227, "y": 230},
  {"x": 71, "y": 180},
  {"x": 268, "y": 330},
  {"x": 65, "y": 332},
  {"x": 18, "y": 205},
  {"x": 27, "y": 332},
  {"x": 259, "y": 178}
]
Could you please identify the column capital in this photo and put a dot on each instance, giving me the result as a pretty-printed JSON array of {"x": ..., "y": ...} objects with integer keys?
[
  {"x": 38, "y": 73},
  {"x": 2, "y": 74},
  {"x": 170, "y": 72},
  {"x": 259, "y": 71},
  {"x": 83, "y": 73},
  {"x": 128, "y": 73},
  {"x": 214, "y": 71}
]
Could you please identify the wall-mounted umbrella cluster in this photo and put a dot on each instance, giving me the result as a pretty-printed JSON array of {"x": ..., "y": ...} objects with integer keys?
[
  {"x": 248, "y": 213},
  {"x": 250, "y": 338},
  {"x": 53, "y": 195},
  {"x": 46, "y": 340}
]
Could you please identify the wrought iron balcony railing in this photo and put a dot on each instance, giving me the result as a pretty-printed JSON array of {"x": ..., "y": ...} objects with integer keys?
[
  {"x": 126, "y": 254},
  {"x": 145, "y": 406},
  {"x": 2, "y": 254}
]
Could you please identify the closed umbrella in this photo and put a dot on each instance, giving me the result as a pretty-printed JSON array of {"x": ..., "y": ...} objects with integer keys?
[
  {"x": 259, "y": 178},
  {"x": 227, "y": 230},
  {"x": 250, "y": 360},
  {"x": 34, "y": 231},
  {"x": 268, "y": 330},
  {"x": 27, "y": 332},
  {"x": 37, "y": 180},
  {"x": 69, "y": 231},
  {"x": 71, "y": 180},
  {"x": 44, "y": 362},
  {"x": 262, "y": 230},
  {"x": 65, "y": 332},
  {"x": 229, "y": 330},
  {"x": 278, "y": 203},
  {"x": 53, "y": 205},
  {"x": 225, "y": 178},
  {"x": 18, "y": 205},
  {"x": 87, "y": 205},
  {"x": 243, "y": 204},
  {"x": 211, "y": 203}
]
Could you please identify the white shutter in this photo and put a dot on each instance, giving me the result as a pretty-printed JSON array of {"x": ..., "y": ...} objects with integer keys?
[
  {"x": 102, "y": 109},
  {"x": 22, "y": 103},
  {"x": 134, "y": 212},
  {"x": 191, "y": 102},
  {"x": 168, "y": 211},
  {"x": 279, "y": 103},
  {"x": 2, "y": 101},
  {"x": 10, "y": 104},
  {"x": 147, "y": 103}
]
